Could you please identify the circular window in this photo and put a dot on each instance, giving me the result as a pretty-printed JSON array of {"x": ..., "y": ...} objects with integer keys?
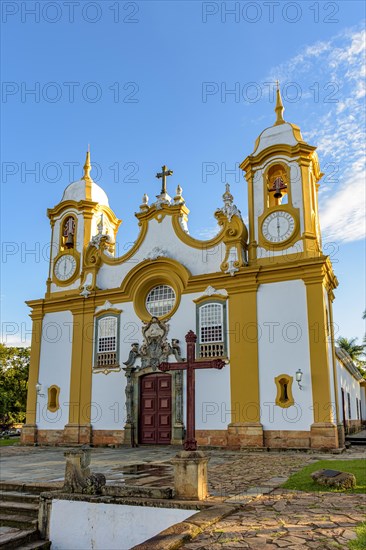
[{"x": 160, "y": 300}]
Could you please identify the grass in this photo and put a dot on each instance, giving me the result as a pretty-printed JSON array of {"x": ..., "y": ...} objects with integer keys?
[
  {"x": 9, "y": 441},
  {"x": 360, "y": 542},
  {"x": 301, "y": 481}
]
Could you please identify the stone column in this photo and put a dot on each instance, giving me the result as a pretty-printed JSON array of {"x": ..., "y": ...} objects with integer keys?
[{"x": 190, "y": 475}]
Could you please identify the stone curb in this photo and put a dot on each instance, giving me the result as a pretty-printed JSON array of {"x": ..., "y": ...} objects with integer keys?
[{"x": 180, "y": 533}]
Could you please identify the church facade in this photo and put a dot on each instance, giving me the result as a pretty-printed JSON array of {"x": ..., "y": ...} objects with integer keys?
[{"x": 258, "y": 297}]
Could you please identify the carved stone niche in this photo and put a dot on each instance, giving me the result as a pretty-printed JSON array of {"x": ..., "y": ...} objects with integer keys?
[{"x": 154, "y": 350}]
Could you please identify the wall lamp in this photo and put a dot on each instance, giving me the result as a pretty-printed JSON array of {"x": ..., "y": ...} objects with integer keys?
[
  {"x": 39, "y": 390},
  {"x": 298, "y": 376}
]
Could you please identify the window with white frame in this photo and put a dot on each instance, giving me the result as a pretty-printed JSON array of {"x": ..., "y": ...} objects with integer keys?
[
  {"x": 211, "y": 330},
  {"x": 106, "y": 341}
]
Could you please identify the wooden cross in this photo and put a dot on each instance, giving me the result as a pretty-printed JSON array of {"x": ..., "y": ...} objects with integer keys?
[
  {"x": 165, "y": 172},
  {"x": 190, "y": 365}
]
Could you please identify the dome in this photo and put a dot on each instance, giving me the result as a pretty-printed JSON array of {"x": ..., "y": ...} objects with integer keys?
[
  {"x": 282, "y": 134},
  {"x": 76, "y": 191}
]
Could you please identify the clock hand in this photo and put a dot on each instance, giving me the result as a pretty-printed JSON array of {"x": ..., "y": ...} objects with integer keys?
[{"x": 278, "y": 223}]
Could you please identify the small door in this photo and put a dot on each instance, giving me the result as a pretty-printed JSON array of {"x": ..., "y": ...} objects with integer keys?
[{"x": 155, "y": 418}]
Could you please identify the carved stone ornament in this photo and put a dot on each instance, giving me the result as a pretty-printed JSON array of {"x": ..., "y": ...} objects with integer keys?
[
  {"x": 154, "y": 350},
  {"x": 155, "y": 347},
  {"x": 229, "y": 208},
  {"x": 156, "y": 253}
]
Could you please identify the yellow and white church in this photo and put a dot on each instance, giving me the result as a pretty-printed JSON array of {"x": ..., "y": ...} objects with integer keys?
[{"x": 259, "y": 297}]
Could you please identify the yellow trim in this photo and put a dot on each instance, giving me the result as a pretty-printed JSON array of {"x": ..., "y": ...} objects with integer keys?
[
  {"x": 150, "y": 273},
  {"x": 319, "y": 363},
  {"x": 82, "y": 362},
  {"x": 289, "y": 380},
  {"x": 244, "y": 371},
  {"x": 56, "y": 406},
  {"x": 37, "y": 318},
  {"x": 206, "y": 298},
  {"x": 112, "y": 310}
]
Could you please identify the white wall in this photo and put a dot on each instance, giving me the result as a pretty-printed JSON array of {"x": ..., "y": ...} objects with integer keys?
[
  {"x": 55, "y": 368},
  {"x": 196, "y": 260},
  {"x": 351, "y": 386},
  {"x": 283, "y": 348},
  {"x": 81, "y": 525},
  {"x": 330, "y": 357},
  {"x": 212, "y": 386}
]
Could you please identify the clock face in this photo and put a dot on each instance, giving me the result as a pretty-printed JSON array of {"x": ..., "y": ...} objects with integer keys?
[
  {"x": 278, "y": 226},
  {"x": 65, "y": 267}
]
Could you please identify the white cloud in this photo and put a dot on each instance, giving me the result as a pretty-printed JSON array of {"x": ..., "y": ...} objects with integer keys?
[{"x": 334, "y": 122}]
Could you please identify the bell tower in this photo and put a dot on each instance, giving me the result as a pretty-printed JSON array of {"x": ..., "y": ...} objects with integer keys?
[
  {"x": 82, "y": 214},
  {"x": 282, "y": 174}
]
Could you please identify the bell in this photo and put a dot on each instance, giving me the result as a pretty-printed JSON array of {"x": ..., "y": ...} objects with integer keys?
[
  {"x": 70, "y": 240},
  {"x": 278, "y": 184}
]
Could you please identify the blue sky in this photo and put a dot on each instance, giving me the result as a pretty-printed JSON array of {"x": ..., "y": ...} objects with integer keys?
[{"x": 148, "y": 83}]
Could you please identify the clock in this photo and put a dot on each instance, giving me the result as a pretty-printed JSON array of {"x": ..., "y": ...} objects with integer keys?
[
  {"x": 65, "y": 267},
  {"x": 278, "y": 226}
]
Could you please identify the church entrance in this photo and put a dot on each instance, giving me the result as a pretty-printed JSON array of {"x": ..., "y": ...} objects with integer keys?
[{"x": 155, "y": 418}]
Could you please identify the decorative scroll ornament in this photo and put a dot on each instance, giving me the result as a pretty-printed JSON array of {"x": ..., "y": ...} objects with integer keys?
[
  {"x": 233, "y": 263},
  {"x": 156, "y": 253},
  {"x": 155, "y": 347},
  {"x": 101, "y": 240},
  {"x": 229, "y": 208}
]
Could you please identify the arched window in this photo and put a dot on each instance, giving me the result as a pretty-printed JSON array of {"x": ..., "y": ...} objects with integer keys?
[
  {"x": 68, "y": 233},
  {"x": 107, "y": 328},
  {"x": 277, "y": 185},
  {"x": 211, "y": 330}
]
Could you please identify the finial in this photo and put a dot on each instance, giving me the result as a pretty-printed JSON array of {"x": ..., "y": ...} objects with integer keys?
[
  {"x": 100, "y": 225},
  {"x": 178, "y": 199},
  {"x": 279, "y": 106},
  {"x": 87, "y": 166},
  {"x": 145, "y": 199}
]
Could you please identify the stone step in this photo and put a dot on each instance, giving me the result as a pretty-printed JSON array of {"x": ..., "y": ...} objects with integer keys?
[
  {"x": 38, "y": 544},
  {"x": 18, "y": 538},
  {"x": 17, "y": 496},
  {"x": 356, "y": 440},
  {"x": 18, "y": 520},
  {"x": 29, "y": 488},
  {"x": 9, "y": 507}
]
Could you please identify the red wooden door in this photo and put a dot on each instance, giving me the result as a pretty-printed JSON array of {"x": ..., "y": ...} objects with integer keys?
[{"x": 155, "y": 418}]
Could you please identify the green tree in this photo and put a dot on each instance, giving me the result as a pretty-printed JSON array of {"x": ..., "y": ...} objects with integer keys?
[
  {"x": 14, "y": 368},
  {"x": 354, "y": 350}
]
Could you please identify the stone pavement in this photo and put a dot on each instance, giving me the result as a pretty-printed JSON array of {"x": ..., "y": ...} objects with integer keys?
[
  {"x": 269, "y": 517},
  {"x": 287, "y": 519}
]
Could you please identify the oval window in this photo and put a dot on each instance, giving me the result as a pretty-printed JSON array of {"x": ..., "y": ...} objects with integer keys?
[{"x": 160, "y": 300}]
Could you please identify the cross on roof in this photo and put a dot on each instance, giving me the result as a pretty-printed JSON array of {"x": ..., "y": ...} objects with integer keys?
[{"x": 165, "y": 172}]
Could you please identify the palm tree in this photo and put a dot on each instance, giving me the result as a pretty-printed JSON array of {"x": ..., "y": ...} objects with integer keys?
[{"x": 355, "y": 351}]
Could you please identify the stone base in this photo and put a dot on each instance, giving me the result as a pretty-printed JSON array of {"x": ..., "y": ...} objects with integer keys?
[
  {"x": 216, "y": 438},
  {"x": 190, "y": 475},
  {"x": 103, "y": 438},
  {"x": 53, "y": 438},
  {"x": 286, "y": 439},
  {"x": 341, "y": 436},
  {"x": 77, "y": 435},
  {"x": 245, "y": 434},
  {"x": 29, "y": 434},
  {"x": 324, "y": 435}
]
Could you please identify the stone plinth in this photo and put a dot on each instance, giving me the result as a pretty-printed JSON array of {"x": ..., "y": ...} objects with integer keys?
[
  {"x": 29, "y": 434},
  {"x": 245, "y": 434},
  {"x": 190, "y": 475},
  {"x": 324, "y": 435},
  {"x": 75, "y": 434}
]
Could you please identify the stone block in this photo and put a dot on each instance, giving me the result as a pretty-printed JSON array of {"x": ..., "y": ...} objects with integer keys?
[
  {"x": 190, "y": 475},
  {"x": 324, "y": 436},
  {"x": 29, "y": 434},
  {"x": 246, "y": 434},
  {"x": 334, "y": 478}
]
